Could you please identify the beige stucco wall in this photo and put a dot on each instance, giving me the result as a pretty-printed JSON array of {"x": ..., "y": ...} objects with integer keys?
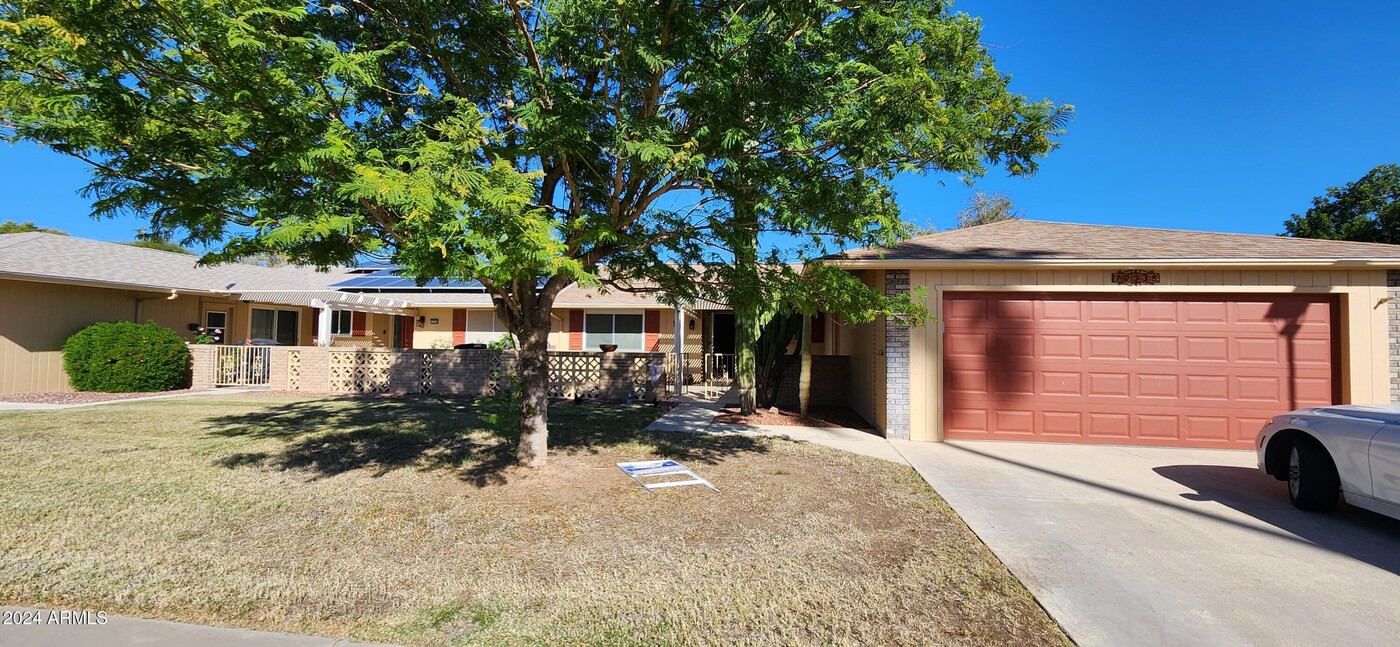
[
  {"x": 439, "y": 335},
  {"x": 865, "y": 345},
  {"x": 37, "y": 317},
  {"x": 1363, "y": 329}
]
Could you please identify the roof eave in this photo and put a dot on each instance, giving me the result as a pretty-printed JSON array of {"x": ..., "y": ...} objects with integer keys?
[
  {"x": 1006, "y": 263},
  {"x": 110, "y": 285}
]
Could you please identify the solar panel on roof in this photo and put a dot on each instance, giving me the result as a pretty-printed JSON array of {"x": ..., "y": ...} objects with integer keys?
[{"x": 389, "y": 278}]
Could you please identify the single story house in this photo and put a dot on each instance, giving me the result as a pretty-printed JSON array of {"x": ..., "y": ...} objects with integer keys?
[
  {"x": 1076, "y": 333},
  {"x": 1041, "y": 331},
  {"x": 52, "y": 285}
]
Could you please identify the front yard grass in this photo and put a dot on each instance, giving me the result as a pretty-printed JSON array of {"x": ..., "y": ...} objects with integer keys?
[{"x": 401, "y": 521}]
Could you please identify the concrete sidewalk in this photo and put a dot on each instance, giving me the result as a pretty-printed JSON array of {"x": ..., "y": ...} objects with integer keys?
[
  {"x": 43, "y": 406},
  {"x": 698, "y": 417},
  {"x": 121, "y": 631}
]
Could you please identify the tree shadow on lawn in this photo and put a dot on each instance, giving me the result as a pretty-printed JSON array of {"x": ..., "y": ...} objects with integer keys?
[{"x": 474, "y": 439}]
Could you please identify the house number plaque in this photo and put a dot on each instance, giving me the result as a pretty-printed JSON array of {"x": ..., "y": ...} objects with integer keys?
[{"x": 1136, "y": 277}]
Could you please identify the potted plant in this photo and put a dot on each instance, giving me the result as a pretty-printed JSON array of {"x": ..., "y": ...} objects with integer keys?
[{"x": 608, "y": 348}]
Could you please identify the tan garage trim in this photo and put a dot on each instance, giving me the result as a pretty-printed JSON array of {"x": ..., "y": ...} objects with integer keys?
[{"x": 1362, "y": 327}]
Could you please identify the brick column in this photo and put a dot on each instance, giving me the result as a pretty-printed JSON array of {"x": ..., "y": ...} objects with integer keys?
[
  {"x": 896, "y": 362},
  {"x": 278, "y": 377},
  {"x": 201, "y": 366},
  {"x": 1392, "y": 309}
]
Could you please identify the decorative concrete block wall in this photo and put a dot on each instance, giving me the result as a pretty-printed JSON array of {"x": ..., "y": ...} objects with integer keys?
[
  {"x": 1392, "y": 282},
  {"x": 896, "y": 362}
]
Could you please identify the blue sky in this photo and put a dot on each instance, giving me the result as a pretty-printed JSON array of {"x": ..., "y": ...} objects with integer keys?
[{"x": 1223, "y": 116}]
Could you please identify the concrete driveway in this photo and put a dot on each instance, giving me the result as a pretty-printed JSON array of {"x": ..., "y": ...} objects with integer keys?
[{"x": 1137, "y": 546}]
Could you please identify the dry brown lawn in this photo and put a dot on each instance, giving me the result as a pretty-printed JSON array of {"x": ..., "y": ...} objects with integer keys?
[{"x": 401, "y": 521}]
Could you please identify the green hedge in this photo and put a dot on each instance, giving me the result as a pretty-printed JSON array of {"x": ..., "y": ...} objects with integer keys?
[{"x": 125, "y": 357}]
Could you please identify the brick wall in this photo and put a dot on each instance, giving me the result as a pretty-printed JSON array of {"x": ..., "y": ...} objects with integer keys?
[
  {"x": 1392, "y": 281},
  {"x": 469, "y": 373},
  {"x": 831, "y": 382},
  {"x": 896, "y": 363},
  {"x": 201, "y": 366}
]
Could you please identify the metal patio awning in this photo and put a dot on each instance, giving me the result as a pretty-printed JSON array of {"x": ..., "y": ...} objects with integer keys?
[{"x": 332, "y": 299}]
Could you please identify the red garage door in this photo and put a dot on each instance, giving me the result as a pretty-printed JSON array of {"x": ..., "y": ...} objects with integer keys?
[{"x": 1170, "y": 370}]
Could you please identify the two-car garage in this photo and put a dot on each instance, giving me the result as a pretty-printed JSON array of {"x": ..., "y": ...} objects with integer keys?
[
  {"x": 1158, "y": 369},
  {"x": 1067, "y": 333}
]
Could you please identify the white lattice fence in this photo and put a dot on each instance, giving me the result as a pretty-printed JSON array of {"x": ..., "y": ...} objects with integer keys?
[{"x": 354, "y": 371}]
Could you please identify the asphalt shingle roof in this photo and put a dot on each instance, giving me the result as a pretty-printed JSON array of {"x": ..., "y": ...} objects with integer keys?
[
  {"x": 1037, "y": 240},
  {"x": 53, "y": 257}
]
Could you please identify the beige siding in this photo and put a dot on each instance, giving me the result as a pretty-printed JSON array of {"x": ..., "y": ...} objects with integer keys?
[
  {"x": 36, "y": 318},
  {"x": 864, "y": 343},
  {"x": 1363, "y": 331}
]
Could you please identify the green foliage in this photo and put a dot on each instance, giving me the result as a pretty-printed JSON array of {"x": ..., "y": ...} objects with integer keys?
[
  {"x": 1367, "y": 210},
  {"x": 12, "y": 227},
  {"x": 771, "y": 359},
  {"x": 162, "y": 245},
  {"x": 520, "y": 144},
  {"x": 126, "y": 357},
  {"x": 986, "y": 208},
  {"x": 506, "y": 342}
]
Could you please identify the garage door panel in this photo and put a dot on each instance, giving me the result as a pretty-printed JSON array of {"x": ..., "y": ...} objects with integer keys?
[
  {"x": 1206, "y": 349},
  {"x": 1116, "y": 385},
  {"x": 967, "y": 420},
  {"x": 1013, "y": 310},
  {"x": 1159, "y": 426},
  {"x": 1156, "y": 347},
  {"x": 1207, "y": 428},
  {"x": 1108, "y": 347},
  {"x": 1106, "y": 311},
  {"x": 1257, "y": 349},
  {"x": 1061, "y": 311},
  {"x": 1164, "y": 386},
  {"x": 1316, "y": 352},
  {"x": 1207, "y": 312},
  {"x": 1010, "y": 421},
  {"x": 1013, "y": 382},
  {"x": 970, "y": 344},
  {"x": 1064, "y": 424},
  {"x": 1149, "y": 312},
  {"x": 1013, "y": 346},
  {"x": 964, "y": 310},
  {"x": 1056, "y": 346},
  {"x": 1061, "y": 383},
  {"x": 1109, "y": 426},
  {"x": 1155, "y": 370}
]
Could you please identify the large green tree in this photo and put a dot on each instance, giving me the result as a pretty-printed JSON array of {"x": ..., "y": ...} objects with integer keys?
[
  {"x": 13, "y": 227},
  {"x": 1367, "y": 210},
  {"x": 986, "y": 208},
  {"x": 519, "y": 144}
]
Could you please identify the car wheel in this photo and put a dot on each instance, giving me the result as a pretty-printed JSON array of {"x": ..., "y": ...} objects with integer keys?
[{"x": 1312, "y": 478}]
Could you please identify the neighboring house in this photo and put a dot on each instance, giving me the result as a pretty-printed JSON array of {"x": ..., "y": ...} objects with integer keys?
[
  {"x": 1118, "y": 335},
  {"x": 52, "y": 286}
]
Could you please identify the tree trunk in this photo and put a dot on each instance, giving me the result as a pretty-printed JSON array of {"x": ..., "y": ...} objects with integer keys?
[
  {"x": 745, "y": 295},
  {"x": 804, "y": 379},
  {"x": 745, "y": 364},
  {"x": 534, "y": 396}
]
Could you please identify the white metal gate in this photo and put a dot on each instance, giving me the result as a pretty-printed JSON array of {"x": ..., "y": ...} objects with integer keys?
[
  {"x": 242, "y": 365},
  {"x": 707, "y": 374}
]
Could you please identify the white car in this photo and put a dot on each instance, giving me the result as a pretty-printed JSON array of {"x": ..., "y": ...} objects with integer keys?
[{"x": 1351, "y": 450}]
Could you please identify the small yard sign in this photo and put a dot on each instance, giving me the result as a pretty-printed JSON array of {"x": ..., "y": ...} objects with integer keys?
[{"x": 663, "y": 469}]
